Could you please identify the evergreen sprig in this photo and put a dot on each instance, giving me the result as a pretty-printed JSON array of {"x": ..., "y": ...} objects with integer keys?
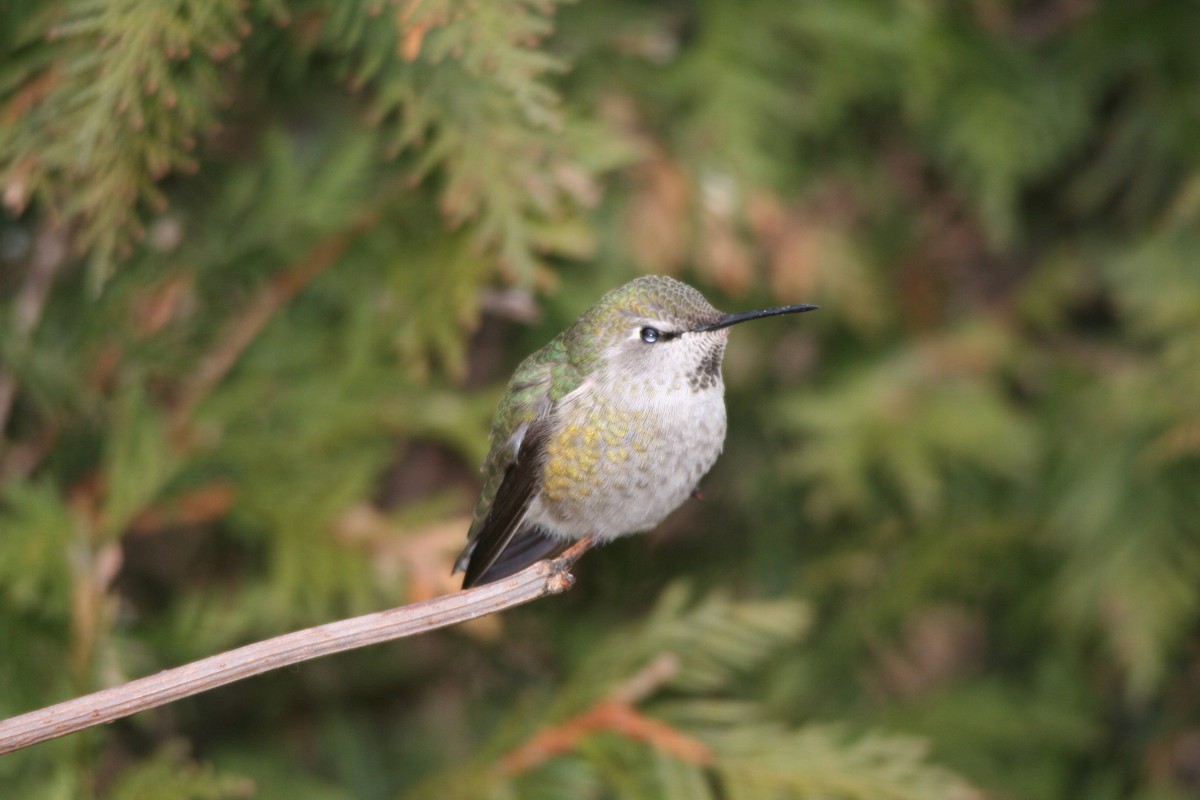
[
  {"x": 104, "y": 100},
  {"x": 694, "y": 653}
]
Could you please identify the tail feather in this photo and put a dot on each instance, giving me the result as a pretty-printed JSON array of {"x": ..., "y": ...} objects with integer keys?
[{"x": 528, "y": 545}]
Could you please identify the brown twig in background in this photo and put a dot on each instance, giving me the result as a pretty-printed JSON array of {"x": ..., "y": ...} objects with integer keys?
[
  {"x": 49, "y": 254},
  {"x": 617, "y": 712},
  {"x": 22, "y": 458},
  {"x": 539, "y": 580},
  {"x": 247, "y": 324}
]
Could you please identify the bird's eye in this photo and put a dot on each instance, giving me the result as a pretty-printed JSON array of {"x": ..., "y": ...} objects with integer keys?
[{"x": 651, "y": 335}]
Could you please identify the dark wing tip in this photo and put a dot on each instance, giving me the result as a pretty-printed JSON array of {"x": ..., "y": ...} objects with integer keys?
[
  {"x": 528, "y": 545},
  {"x": 505, "y": 518}
]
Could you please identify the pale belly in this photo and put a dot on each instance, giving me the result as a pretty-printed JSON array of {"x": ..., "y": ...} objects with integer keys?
[{"x": 614, "y": 468}]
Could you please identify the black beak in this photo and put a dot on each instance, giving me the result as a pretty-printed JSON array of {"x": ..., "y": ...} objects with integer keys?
[{"x": 734, "y": 319}]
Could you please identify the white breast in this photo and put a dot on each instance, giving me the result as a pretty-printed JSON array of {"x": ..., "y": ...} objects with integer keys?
[{"x": 624, "y": 457}]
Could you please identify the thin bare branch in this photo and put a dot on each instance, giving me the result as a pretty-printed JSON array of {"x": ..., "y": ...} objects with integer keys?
[{"x": 539, "y": 580}]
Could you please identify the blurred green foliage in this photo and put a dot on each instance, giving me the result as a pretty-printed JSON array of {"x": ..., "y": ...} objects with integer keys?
[{"x": 265, "y": 267}]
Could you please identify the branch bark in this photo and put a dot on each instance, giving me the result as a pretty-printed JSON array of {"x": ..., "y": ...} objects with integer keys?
[{"x": 542, "y": 579}]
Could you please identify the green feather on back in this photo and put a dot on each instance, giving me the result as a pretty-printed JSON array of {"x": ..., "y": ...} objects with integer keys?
[{"x": 541, "y": 380}]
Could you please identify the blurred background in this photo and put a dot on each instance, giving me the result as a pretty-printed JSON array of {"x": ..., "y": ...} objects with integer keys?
[{"x": 266, "y": 266}]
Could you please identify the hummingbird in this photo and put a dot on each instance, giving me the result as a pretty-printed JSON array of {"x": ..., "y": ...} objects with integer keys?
[{"x": 607, "y": 429}]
